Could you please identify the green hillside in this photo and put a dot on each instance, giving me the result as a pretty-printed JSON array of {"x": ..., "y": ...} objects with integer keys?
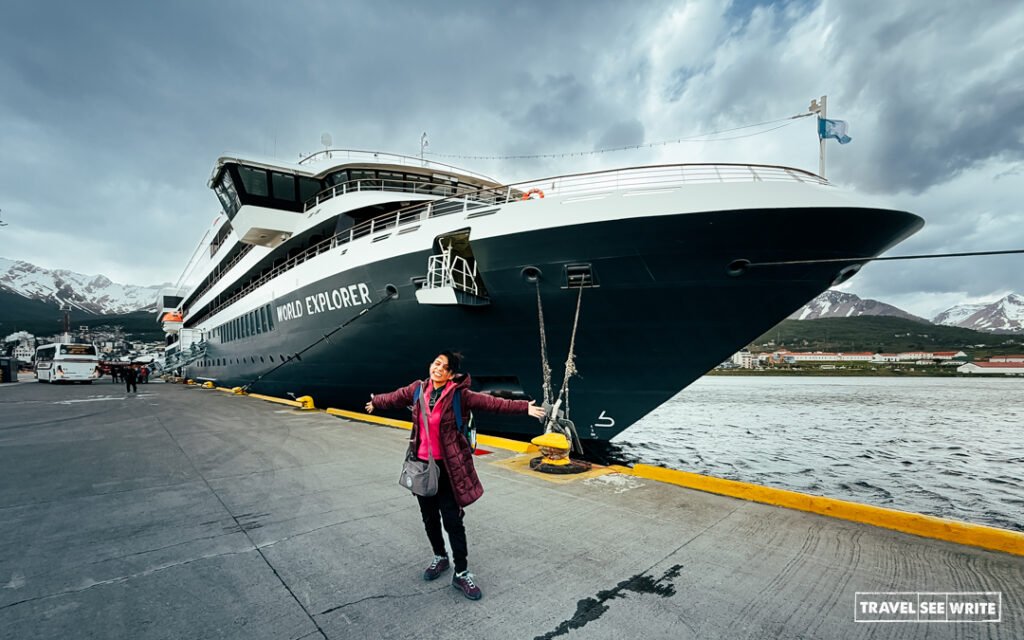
[{"x": 882, "y": 334}]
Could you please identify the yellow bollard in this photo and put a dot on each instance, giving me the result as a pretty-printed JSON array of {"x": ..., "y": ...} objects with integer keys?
[
  {"x": 306, "y": 402},
  {"x": 207, "y": 385},
  {"x": 190, "y": 381},
  {"x": 554, "y": 447},
  {"x": 237, "y": 391}
]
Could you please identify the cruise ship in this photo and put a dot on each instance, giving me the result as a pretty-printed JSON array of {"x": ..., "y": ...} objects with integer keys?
[{"x": 344, "y": 275}]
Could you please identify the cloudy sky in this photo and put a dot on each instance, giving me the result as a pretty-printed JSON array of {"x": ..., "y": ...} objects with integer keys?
[{"x": 112, "y": 114}]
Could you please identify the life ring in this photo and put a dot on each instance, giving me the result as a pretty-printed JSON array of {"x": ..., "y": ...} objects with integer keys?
[{"x": 535, "y": 190}]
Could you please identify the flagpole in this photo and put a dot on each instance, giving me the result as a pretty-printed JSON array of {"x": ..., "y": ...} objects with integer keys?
[
  {"x": 821, "y": 141},
  {"x": 819, "y": 108}
]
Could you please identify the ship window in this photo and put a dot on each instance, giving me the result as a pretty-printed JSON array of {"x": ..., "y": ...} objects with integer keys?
[
  {"x": 391, "y": 180},
  {"x": 284, "y": 186},
  {"x": 308, "y": 188},
  {"x": 367, "y": 179},
  {"x": 336, "y": 178},
  {"x": 228, "y": 195},
  {"x": 261, "y": 359},
  {"x": 254, "y": 181},
  {"x": 270, "y": 318}
]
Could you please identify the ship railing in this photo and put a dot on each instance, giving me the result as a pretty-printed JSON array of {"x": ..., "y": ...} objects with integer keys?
[
  {"x": 184, "y": 357},
  {"x": 222, "y": 270},
  {"x": 641, "y": 180},
  {"x": 660, "y": 177},
  {"x": 357, "y": 155},
  {"x": 443, "y": 189},
  {"x": 450, "y": 270}
]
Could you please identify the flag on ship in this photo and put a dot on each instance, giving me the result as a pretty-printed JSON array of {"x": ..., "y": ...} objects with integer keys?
[{"x": 833, "y": 129}]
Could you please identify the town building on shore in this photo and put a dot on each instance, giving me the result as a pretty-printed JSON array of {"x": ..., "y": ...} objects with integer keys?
[
  {"x": 993, "y": 368},
  {"x": 784, "y": 356}
]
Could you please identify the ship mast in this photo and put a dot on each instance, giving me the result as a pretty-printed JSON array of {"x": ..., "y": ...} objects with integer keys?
[{"x": 819, "y": 108}]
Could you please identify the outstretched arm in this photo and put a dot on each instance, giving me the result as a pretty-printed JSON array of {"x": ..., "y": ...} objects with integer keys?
[
  {"x": 399, "y": 398},
  {"x": 486, "y": 403}
]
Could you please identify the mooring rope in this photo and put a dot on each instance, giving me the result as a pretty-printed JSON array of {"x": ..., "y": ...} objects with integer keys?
[
  {"x": 925, "y": 256},
  {"x": 326, "y": 337},
  {"x": 553, "y": 422},
  {"x": 545, "y": 367}
]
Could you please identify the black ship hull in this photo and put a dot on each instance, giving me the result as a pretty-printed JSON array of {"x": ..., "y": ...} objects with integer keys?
[{"x": 663, "y": 310}]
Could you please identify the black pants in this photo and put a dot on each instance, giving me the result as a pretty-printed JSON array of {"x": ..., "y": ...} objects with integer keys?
[
  {"x": 130, "y": 386},
  {"x": 443, "y": 508}
]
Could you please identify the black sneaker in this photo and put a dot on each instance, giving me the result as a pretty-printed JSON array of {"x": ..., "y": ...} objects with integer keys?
[
  {"x": 436, "y": 568},
  {"x": 464, "y": 582}
]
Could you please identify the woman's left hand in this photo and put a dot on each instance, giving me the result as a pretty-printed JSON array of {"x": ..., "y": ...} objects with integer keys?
[{"x": 535, "y": 411}]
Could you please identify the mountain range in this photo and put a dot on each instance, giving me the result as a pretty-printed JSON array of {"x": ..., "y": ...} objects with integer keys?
[
  {"x": 1005, "y": 315},
  {"x": 91, "y": 294},
  {"x": 98, "y": 295}
]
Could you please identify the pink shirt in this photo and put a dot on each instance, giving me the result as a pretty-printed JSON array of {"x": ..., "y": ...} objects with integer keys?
[{"x": 434, "y": 422}]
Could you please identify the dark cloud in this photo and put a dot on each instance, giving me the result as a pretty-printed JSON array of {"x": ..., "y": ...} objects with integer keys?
[{"x": 944, "y": 87}]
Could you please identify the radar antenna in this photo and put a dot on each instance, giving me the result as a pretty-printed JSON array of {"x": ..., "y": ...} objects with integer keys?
[{"x": 327, "y": 141}]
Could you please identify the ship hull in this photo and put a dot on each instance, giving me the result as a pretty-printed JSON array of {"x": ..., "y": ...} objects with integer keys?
[{"x": 664, "y": 310}]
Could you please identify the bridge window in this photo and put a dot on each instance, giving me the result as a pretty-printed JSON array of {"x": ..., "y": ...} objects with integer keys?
[
  {"x": 284, "y": 186},
  {"x": 336, "y": 178},
  {"x": 254, "y": 181},
  {"x": 226, "y": 193},
  {"x": 308, "y": 188}
]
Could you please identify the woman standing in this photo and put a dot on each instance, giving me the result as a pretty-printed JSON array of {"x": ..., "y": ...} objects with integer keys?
[{"x": 458, "y": 484}]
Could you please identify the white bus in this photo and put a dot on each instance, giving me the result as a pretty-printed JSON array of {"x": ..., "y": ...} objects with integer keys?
[{"x": 67, "y": 363}]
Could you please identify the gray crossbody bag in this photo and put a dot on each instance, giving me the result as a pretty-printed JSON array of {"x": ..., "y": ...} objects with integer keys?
[{"x": 418, "y": 476}]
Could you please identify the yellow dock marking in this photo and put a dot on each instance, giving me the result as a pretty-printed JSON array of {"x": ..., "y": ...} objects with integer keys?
[
  {"x": 365, "y": 417},
  {"x": 290, "y": 403},
  {"x": 966, "y": 533}
]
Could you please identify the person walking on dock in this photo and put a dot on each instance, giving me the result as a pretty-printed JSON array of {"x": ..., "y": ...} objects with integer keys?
[
  {"x": 130, "y": 378},
  {"x": 458, "y": 484}
]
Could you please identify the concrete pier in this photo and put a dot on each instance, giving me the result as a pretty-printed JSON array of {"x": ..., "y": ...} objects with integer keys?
[{"x": 180, "y": 512}]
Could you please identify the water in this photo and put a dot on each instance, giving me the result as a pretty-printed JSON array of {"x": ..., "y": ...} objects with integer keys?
[{"x": 948, "y": 447}]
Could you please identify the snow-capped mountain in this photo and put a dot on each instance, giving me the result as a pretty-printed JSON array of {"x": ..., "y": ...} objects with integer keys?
[
  {"x": 838, "y": 304},
  {"x": 955, "y": 315},
  {"x": 94, "y": 294},
  {"x": 1005, "y": 315}
]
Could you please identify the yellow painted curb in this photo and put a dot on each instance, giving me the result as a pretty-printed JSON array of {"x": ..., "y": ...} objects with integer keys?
[
  {"x": 965, "y": 533},
  {"x": 506, "y": 443},
  {"x": 290, "y": 403},
  {"x": 365, "y": 417}
]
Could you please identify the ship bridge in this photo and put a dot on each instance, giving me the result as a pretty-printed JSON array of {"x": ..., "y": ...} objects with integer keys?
[{"x": 271, "y": 191}]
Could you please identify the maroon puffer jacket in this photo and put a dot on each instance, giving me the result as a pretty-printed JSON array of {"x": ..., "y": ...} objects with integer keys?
[{"x": 455, "y": 451}]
